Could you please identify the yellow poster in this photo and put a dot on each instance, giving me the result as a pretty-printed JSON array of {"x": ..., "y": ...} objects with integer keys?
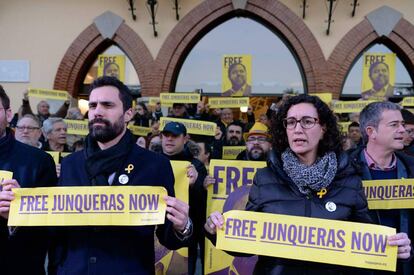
[
  {"x": 55, "y": 155},
  {"x": 389, "y": 194},
  {"x": 228, "y": 102},
  {"x": 170, "y": 98},
  {"x": 355, "y": 106},
  {"x": 378, "y": 75},
  {"x": 343, "y": 126},
  {"x": 325, "y": 97},
  {"x": 408, "y": 101},
  {"x": 231, "y": 152},
  {"x": 139, "y": 130},
  {"x": 77, "y": 127},
  {"x": 310, "y": 239},
  {"x": 230, "y": 191},
  {"x": 88, "y": 205},
  {"x": 48, "y": 94},
  {"x": 152, "y": 101},
  {"x": 237, "y": 75},
  {"x": 112, "y": 65},
  {"x": 197, "y": 127},
  {"x": 174, "y": 261}
]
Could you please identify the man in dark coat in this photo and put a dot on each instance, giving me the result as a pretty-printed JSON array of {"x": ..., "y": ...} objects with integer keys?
[
  {"x": 111, "y": 157},
  {"x": 23, "y": 249},
  {"x": 382, "y": 129}
]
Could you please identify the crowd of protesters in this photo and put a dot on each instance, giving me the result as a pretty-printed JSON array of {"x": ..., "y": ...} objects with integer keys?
[{"x": 296, "y": 135}]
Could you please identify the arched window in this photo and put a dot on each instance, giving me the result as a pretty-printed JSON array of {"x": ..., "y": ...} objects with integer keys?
[
  {"x": 403, "y": 84},
  {"x": 274, "y": 69}
]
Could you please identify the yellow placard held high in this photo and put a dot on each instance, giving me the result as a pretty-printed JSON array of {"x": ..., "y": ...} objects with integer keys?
[
  {"x": 197, "y": 127},
  {"x": 112, "y": 65},
  {"x": 389, "y": 194},
  {"x": 355, "y": 106},
  {"x": 237, "y": 75},
  {"x": 343, "y": 126},
  {"x": 228, "y": 102},
  {"x": 171, "y": 98},
  {"x": 152, "y": 101},
  {"x": 317, "y": 240},
  {"x": 77, "y": 127},
  {"x": 325, "y": 97},
  {"x": 408, "y": 101},
  {"x": 378, "y": 75},
  {"x": 88, "y": 205},
  {"x": 48, "y": 94}
]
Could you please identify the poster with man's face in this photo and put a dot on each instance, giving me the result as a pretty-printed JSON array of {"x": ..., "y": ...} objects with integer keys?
[
  {"x": 378, "y": 76},
  {"x": 237, "y": 75},
  {"x": 112, "y": 65}
]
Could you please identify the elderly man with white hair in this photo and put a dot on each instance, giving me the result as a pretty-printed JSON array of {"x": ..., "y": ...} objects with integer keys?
[{"x": 54, "y": 130}]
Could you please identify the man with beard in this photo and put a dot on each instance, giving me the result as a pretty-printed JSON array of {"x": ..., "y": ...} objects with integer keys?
[
  {"x": 379, "y": 73},
  {"x": 257, "y": 143},
  {"x": 237, "y": 75},
  {"x": 23, "y": 249},
  {"x": 234, "y": 137},
  {"x": 111, "y": 158}
]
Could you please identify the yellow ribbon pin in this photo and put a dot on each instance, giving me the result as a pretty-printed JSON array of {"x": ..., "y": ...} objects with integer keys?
[
  {"x": 129, "y": 168},
  {"x": 322, "y": 193}
]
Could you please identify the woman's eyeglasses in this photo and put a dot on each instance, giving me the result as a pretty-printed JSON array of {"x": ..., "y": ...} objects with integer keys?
[{"x": 306, "y": 122}]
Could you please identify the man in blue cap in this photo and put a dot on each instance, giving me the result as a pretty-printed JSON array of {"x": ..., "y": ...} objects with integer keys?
[{"x": 174, "y": 139}]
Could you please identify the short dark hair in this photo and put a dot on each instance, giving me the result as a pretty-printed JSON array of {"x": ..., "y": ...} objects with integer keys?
[
  {"x": 5, "y": 100},
  {"x": 331, "y": 140},
  {"x": 231, "y": 67},
  {"x": 375, "y": 64},
  {"x": 353, "y": 124},
  {"x": 124, "y": 92}
]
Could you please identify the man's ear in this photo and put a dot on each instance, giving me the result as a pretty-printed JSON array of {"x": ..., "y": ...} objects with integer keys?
[
  {"x": 371, "y": 132},
  {"x": 128, "y": 115},
  {"x": 9, "y": 115}
]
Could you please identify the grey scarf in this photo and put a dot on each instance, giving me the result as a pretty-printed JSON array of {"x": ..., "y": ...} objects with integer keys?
[{"x": 310, "y": 178}]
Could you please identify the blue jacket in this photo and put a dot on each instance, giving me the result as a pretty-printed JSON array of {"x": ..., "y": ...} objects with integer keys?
[
  {"x": 24, "y": 252},
  {"x": 405, "y": 169},
  {"x": 113, "y": 249}
]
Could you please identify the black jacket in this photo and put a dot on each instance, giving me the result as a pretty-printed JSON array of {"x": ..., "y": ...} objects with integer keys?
[
  {"x": 24, "y": 252},
  {"x": 274, "y": 192}
]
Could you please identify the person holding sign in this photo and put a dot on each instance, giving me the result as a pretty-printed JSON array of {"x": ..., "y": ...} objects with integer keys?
[
  {"x": 43, "y": 109},
  {"x": 111, "y": 158},
  {"x": 23, "y": 249},
  {"x": 382, "y": 128},
  {"x": 307, "y": 175}
]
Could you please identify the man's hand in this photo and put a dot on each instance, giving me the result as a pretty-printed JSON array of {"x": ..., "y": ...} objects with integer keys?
[
  {"x": 404, "y": 244},
  {"x": 208, "y": 180},
  {"x": 6, "y": 196},
  {"x": 192, "y": 174},
  {"x": 177, "y": 212},
  {"x": 218, "y": 134}
]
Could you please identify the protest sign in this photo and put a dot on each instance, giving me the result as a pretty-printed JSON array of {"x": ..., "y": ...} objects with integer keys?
[
  {"x": 48, "y": 94},
  {"x": 112, "y": 65},
  {"x": 171, "y": 98},
  {"x": 197, "y": 127},
  {"x": 236, "y": 75},
  {"x": 389, "y": 194},
  {"x": 77, "y": 127},
  {"x": 231, "y": 152},
  {"x": 228, "y": 102}
]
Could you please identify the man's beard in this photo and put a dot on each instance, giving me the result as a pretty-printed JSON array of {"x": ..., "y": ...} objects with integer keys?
[
  {"x": 256, "y": 153},
  {"x": 108, "y": 132},
  {"x": 234, "y": 141}
]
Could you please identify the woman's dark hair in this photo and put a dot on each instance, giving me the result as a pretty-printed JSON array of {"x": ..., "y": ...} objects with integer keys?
[
  {"x": 142, "y": 104},
  {"x": 331, "y": 140}
]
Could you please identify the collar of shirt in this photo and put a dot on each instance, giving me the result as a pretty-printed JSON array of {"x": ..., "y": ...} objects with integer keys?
[{"x": 372, "y": 164}]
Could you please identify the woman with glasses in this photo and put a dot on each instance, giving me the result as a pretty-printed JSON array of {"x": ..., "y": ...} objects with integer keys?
[{"x": 307, "y": 175}]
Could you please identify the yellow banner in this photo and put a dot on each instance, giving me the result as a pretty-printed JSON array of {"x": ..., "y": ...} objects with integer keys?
[
  {"x": 228, "y": 102},
  {"x": 65, "y": 154},
  {"x": 171, "y": 261},
  {"x": 378, "y": 75},
  {"x": 55, "y": 155},
  {"x": 231, "y": 152},
  {"x": 171, "y": 98},
  {"x": 77, "y": 127},
  {"x": 197, "y": 127},
  {"x": 317, "y": 240},
  {"x": 5, "y": 175},
  {"x": 139, "y": 130},
  {"x": 325, "y": 97},
  {"x": 81, "y": 205},
  {"x": 152, "y": 101},
  {"x": 230, "y": 191},
  {"x": 389, "y": 194},
  {"x": 237, "y": 75},
  {"x": 49, "y": 94},
  {"x": 408, "y": 101},
  {"x": 343, "y": 126},
  {"x": 350, "y": 106},
  {"x": 112, "y": 65}
]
